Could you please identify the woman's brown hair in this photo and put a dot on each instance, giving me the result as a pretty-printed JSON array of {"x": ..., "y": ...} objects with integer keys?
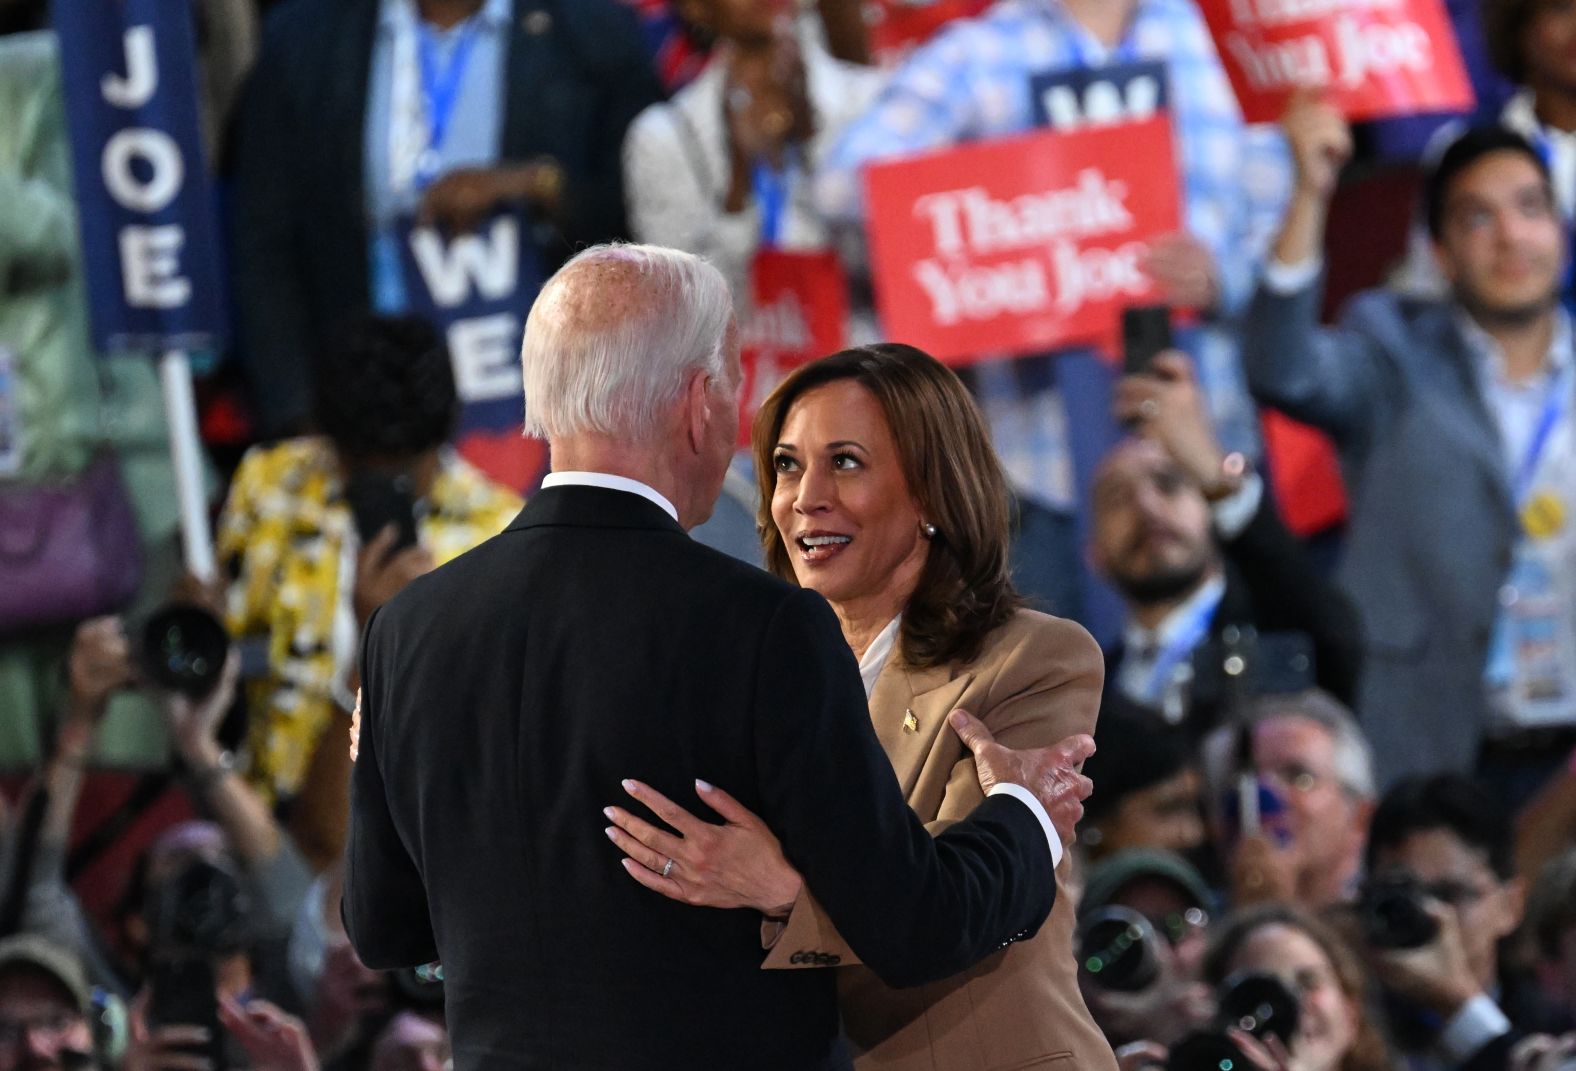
[
  {"x": 1368, "y": 1051},
  {"x": 965, "y": 588}
]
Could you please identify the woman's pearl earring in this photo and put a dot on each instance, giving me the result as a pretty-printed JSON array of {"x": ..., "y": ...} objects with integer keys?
[{"x": 928, "y": 529}]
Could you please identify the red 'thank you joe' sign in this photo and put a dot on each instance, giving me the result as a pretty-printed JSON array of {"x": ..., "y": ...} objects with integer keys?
[
  {"x": 1023, "y": 245},
  {"x": 798, "y": 312},
  {"x": 1374, "y": 59}
]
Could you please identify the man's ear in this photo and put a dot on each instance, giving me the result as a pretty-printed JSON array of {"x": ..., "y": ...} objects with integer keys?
[
  {"x": 1513, "y": 895},
  {"x": 1447, "y": 265},
  {"x": 698, "y": 406}
]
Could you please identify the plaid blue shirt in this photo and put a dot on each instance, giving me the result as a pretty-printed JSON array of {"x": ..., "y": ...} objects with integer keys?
[{"x": 971, "y": 82}]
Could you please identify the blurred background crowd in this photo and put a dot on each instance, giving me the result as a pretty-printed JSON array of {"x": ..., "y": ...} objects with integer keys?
[{"x": 1336, "y": 779}]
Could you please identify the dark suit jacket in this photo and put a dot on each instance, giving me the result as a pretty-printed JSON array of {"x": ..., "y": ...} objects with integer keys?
[
  {"x": 1272, "y": 585},
  {"x": 506, "y": 695},
  {"x": 577, "y": 74}
]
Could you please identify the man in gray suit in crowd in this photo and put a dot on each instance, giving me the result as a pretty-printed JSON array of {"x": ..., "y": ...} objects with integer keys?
[{"x": 1454, "y": 423}]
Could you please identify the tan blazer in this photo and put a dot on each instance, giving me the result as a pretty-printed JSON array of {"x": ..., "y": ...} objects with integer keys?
[{"x": 1036, "y": 681}]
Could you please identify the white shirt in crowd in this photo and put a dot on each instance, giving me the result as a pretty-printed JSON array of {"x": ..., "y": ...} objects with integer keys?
[{"x": 677, "y": 169}]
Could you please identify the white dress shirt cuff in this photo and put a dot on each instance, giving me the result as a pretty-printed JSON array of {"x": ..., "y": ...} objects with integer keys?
[
  {"x": 1233, "y": 512},
  {"x": 1478, "y": 1022},
  {"x": 1051, "y": 836},
  {"x": 1285, "y": 279}
]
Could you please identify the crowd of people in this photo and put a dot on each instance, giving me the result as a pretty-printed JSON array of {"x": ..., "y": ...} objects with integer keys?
[{"x": 1333, "y": 820}]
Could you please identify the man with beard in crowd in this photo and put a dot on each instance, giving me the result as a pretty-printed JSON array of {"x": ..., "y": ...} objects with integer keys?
[{"x": 1187, "y": 534}]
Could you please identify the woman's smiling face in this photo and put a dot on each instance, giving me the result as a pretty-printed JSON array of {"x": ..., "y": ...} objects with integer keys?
[{"x": 841, "y": 501}]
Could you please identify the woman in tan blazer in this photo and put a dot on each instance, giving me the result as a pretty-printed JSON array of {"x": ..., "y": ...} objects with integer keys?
[{"x": 880, "y": 490}]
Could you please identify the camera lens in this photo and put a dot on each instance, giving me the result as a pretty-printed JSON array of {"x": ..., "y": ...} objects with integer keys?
[
  {"x": 183, "y": 649},
  {"x": 1393, "y": 913},
  {"x": 1259, "y": 1004},
  {"x": 201, "y": 908},
  {"x": 1255, "y": 1002},
  {"x": 1117, "y": 950}
]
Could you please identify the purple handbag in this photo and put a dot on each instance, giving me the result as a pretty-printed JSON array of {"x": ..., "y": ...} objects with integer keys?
[{"x": 68, "y": 551}]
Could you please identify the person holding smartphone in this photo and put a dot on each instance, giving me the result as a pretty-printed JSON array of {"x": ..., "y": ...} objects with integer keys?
[
  {"x": 1187, "y": 534},
  {"x": 319, "y": 531},
  {"x": 1291, "y": 786}
]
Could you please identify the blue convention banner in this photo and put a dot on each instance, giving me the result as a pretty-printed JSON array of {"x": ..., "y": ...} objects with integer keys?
[
  {"x": 143, "y": 191},
  {"x": 477, "y": 287},
  {"x": 1099, "y": 96}
]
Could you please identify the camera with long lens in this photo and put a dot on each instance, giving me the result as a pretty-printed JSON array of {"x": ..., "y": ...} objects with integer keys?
[
  {"x": 197, "y": 916},
  {"x": 183, "y": 647},
  {"x": 1393, "y": 913},
  {"x": 1255, "y": 1002},
  {"x": 200, "y": 910},
  {"x": 1117, "y": 950}
]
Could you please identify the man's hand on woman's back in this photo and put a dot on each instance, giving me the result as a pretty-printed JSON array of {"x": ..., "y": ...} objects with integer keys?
[{"x": 1049, "y": 773}]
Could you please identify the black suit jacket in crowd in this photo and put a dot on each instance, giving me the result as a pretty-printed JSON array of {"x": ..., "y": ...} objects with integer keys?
[
  {"x": 576, "y": 75},
  {"x": 1273, "y": 586},
  {"x": 504, "y": 698}
]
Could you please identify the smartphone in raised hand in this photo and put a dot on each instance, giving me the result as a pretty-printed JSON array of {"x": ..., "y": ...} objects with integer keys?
[{"x": 1146, "y": 331}]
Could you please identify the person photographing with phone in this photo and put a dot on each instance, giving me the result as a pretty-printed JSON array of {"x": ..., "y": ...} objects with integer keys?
[
  {"x": 320, "y": 531},
  {"x": 1291, "y": 785},
  {"x": 1189, "y": 537}
]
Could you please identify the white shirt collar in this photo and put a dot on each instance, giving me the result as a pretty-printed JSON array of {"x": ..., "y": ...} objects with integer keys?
[
  {"x": 1490, "y": 359},
  {"x": 1138, "y": 638},
  {"x": 607, "y": 481},
  {"x": 878, "y": 654}
]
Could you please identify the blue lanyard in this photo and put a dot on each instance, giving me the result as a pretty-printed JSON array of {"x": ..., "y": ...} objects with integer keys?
[
  {"x": 1553, "y": 411},
  {"x": 1192, "y": 632},
  {"x": 440, "y": 88},
  {"x": 771, "y": 193}
]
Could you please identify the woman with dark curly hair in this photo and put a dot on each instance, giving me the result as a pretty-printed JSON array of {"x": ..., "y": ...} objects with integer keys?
[
  {"x": 1334, "y": 1032},
  {"x": 880, "y": 491}
]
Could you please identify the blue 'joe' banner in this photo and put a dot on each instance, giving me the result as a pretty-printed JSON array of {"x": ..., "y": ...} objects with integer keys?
[{"x": 143, "y": 192}]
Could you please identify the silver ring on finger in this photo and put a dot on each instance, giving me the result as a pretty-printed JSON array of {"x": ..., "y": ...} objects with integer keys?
[{"x": 667, "y": 868}]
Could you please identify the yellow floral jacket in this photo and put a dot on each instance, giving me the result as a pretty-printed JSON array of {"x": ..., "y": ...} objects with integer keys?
[{"x": 282, "y": 537}]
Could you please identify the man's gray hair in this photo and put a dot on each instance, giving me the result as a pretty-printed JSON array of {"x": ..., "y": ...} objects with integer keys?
[
  {"x": 1353, "y": 758},
  {"x": 614, "y": 336}
]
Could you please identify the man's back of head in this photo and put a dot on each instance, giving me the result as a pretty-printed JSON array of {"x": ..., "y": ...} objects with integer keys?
[{"x": 631, "y": 367}]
